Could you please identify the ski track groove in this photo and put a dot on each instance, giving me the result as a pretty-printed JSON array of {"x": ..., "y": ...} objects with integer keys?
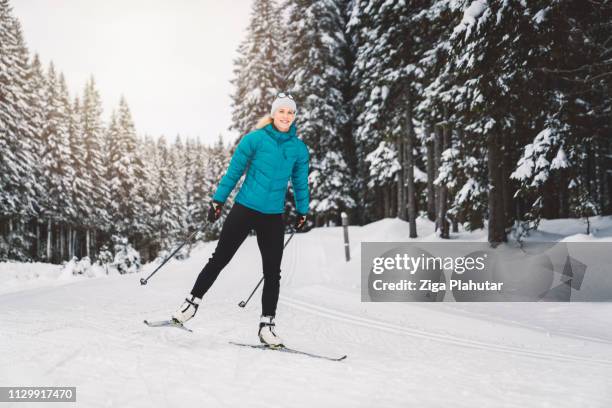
[
  {"x": 510, "y": 322},
  {"x": 467, "y": 343}
]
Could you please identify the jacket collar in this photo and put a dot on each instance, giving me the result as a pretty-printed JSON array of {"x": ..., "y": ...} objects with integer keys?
[{"x": 281, "y": 136}]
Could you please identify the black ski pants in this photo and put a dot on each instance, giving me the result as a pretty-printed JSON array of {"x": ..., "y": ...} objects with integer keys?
[{"x": 270, "y": 231}]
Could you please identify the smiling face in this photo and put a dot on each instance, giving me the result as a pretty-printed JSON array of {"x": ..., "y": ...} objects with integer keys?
[{"x": 283, "y": 118}]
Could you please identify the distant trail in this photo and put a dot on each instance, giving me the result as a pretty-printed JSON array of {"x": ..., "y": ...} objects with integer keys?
[{"x": 397, "y": 329}]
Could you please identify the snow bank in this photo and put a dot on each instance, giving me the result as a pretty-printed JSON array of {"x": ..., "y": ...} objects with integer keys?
[{"x": 17, "y": 276}]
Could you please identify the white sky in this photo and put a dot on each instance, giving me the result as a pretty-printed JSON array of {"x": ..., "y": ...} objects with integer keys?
[{"x": 172, "y": 60}]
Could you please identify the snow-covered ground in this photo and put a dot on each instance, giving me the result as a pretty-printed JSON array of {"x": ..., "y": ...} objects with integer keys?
[{"x": 88, "y": 333}]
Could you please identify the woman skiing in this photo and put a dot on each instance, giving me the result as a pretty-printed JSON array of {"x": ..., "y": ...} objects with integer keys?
[{"x": 272, "y": 154}]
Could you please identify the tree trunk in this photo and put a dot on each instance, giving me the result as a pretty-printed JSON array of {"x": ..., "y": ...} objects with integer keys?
[
  {"x": 401, "y": 198},
  {"x": 37, "y": 256},
  {"x": 431, "y": 193},
  {"x": 94, "y": 243},
  {"x": 88, "y": 243},
  {"x": 443, "y": 204},
  {"x": 496, "y": 233},
  {"x": 62, "y": 233},
  {"x": 508, "y": 194},
  {"x": 604, "y": 196},
  {"x": 70, "y": 243},
  {"x": 388, "y": 193},
  {"x": 363, "y": 194},
  {"x": 437, "y": 163},
  {"x": 49, "y": 240},
  {"x": 394, "y": 200},
  {"x": 410, "y": 172}
]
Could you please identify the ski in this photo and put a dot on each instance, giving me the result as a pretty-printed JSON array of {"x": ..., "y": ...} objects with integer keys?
[
  {"x": 285, "y": 349},
  {"x": 167, "y": 323}
]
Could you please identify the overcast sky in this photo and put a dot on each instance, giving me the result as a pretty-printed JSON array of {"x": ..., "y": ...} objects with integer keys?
[{"x": 172, "y": 60}]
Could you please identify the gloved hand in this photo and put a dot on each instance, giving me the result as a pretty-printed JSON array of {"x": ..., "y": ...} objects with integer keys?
[
  {"x": 214, "y": 212},
  {"x": 300, "y": 221}
]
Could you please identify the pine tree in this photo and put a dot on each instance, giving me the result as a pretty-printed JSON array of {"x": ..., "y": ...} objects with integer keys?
[
  {"x": 177, "y": 170},
  {"x": 123, "y": 168},
  {"x": 36, "y": 106},
  {"x": 79, "y": 188},
  {"x": 216, "y": 159},
  {"x": 189, "y": 159},
  {"x": 148, "y": 240},
  {"x": 166, "y": 222},
  {"x": 58, "y": 170},
  {"x": 136, "y": 208},
  {"x": 57, "y": 165},
  {"x": 17, "y": 183},
  {"x": 320, "y": 81},
  {"x": 77, "y": 158},
  {"x": 201, "y": 189},
  {"x": 389, "y": 48},
  {"x": 259, "y": 69},
  {"x": 93, "y": 141},
  {"x": 490, "y": 50},
  {"x": 565, "y": 163},
  {"x": 115, "y": 165},
  {"x": 18, "y": 186},
  {"x": 368, "y": 136},
  {"x": 439, "y": 126}
]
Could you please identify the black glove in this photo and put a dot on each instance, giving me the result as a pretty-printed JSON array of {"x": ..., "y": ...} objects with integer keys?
[
  {"x": 214, "y": 212},
  {"x": 300, "y": 221}
]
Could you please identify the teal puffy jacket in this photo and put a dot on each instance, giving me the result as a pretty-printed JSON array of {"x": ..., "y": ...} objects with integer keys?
[{"x": 272, "y": 157}]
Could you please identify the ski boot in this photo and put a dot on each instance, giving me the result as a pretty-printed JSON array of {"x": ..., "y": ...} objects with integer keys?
[
  {"x": 266, "y": 332},
  {"x": 187, "y": 310}
]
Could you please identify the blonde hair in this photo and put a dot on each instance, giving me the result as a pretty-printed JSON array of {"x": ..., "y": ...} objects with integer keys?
[{"x": 264, "y": 121}]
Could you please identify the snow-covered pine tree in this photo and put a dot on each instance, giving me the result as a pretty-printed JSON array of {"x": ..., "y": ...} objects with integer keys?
[
  {"x": 200, "y": 191},
  {"x": 123, "y": 165},
  {"x": 29, "y": 124},
  {"x": 114, "y": 165},
  {"x": 435, "y": 110},
  {"x": 133, "y": 200},
  {"x": 36, "y": 108},
  {"x": 140, "y": 195},
  {"x": 366, "y": 101},
  {"x": 148, "y": 243},
  {"x": 216, "y": 159},
  {"x": 319, "y": 79},
  {"x": 165, "y": 218},
  {"x": 18, "y": 194},
  {"x": 564, "y": 169},
  {"x": 259, "y": 71},
  {"x": 177, "y": 170},
  {"x": 490, "y": 59},
  {"x": 66, "y": 228},
  {"x": 383, "y": 166},
  {"x": 189, "y": 158},
  {"x": 93, "y": 135},
  {"x": 57, "y": 165},
  {"x": 80, "y": 184},
  {"x": 389, "y": 48}
]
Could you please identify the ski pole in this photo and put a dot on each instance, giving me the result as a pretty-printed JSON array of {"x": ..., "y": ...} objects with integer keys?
[
  {"x": 243, "y": 303},
  {"x": 143, "y": 281}
]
